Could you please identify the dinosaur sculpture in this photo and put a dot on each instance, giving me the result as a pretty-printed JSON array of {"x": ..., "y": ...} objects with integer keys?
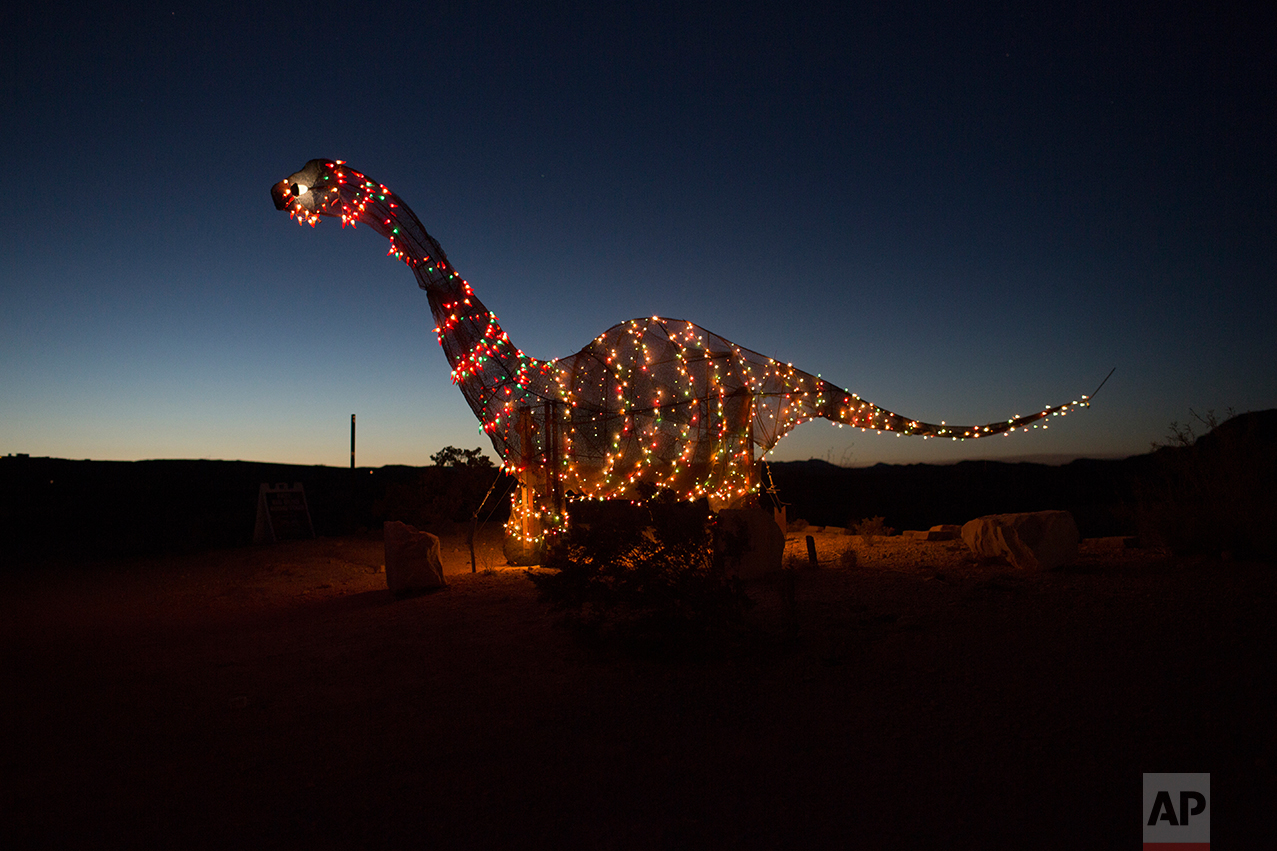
[{"x": 659, "y": 401}]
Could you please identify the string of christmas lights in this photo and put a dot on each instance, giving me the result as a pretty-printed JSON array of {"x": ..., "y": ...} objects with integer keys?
[{"x": 657, "y": 401}]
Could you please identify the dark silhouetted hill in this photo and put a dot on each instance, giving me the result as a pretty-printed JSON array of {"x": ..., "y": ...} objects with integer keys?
[
  {"x": 1214, "y": 494},
  {"x": 56, "y": 507},
  {"x": 917, "y": 496}
]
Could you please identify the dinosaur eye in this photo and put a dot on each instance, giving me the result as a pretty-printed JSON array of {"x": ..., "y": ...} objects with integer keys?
[{"x": 298, "y": 189}]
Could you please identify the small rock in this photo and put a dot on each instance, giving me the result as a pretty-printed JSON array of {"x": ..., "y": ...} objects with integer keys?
[
  {"x": 950, "y": 531},
  {"x": 928, "y": 535}
]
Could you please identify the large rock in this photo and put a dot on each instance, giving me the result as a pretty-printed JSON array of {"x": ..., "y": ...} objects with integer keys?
[
  {"x": 413, "y": 561},
  {"x": 1040, "y": 540},
  {"x": 748, "y": 542}
]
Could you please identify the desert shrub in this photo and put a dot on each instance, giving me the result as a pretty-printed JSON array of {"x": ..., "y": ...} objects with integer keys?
[
  {"x": 870, "y": 528},
  {"x": 642, "y": 572},
  {"x": 440, "y": 497},
  {"x": 451, "y": 456},
  {"x": 1212, "y": 493}
]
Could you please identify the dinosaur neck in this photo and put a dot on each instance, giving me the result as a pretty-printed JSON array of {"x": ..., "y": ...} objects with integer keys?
[
  {"x": 493, "y": 374},
  {"x": 483, "y": 359}
]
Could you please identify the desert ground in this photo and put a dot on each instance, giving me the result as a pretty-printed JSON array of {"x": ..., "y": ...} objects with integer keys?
[{"x": 279, "y": 696}]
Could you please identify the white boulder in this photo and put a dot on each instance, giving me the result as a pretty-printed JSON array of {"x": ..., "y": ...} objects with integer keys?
[
  {"x": 413, "y": 560},
  {"x": 1040, "y": 540}
]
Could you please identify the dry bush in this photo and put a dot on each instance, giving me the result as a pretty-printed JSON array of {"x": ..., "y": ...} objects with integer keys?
[
  {"x": 870, "y": 528},
  {"x": 444, "y": 498},
  {"x": 642, "y": 573}
]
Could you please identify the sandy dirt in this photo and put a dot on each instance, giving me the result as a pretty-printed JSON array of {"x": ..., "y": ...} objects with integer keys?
[{"x": 280, "y": 697}]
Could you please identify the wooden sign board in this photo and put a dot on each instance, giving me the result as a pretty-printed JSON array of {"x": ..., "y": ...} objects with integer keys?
[{"x": 282, "y": 514}]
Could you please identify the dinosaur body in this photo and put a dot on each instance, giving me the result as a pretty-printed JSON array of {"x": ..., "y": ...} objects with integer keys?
[{"x": 658, "y": 401}]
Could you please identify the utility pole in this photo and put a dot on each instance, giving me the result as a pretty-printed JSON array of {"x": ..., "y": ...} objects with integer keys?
[{"x": 354, "y": 480}]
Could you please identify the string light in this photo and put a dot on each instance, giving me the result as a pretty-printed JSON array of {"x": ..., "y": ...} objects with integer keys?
[{"x": 654, "y": 400}]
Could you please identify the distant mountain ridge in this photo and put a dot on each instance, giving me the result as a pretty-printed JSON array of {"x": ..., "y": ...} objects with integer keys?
[
  {"x": 1102, "y": 494},
  {"x": 54, "y": 505}
]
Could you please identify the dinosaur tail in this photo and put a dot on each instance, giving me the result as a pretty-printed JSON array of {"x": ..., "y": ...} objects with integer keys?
[
  {"x": 860, "y": 414},
  {"x": 854, "y": 411}
]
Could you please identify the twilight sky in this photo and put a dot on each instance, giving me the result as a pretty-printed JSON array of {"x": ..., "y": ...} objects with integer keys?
[{"x": 959, "y": 211}]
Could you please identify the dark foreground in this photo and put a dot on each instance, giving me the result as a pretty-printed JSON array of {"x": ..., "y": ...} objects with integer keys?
[{"x": 278, "y": 697}]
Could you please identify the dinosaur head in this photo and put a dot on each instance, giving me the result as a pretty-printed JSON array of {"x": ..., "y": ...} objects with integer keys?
[
  {"x": 308, "y": 193},
  {"x": 334, "y": 189}
]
